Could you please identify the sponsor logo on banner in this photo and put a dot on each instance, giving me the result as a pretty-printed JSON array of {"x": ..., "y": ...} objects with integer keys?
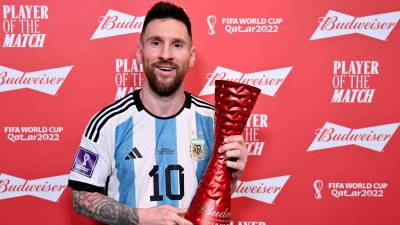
[
  {"x": 247, "y": 223},
  {"x": 269, "y": 81},
  {"x": 264, "y": 190},
  {"x": 233, "y": 25},
  {"x": 377, "y": 26},
  {"x": 128, "y": 76},
  {"x": 21, "y": 25},
  {"x": 25, "y": 133},
  {"x": 355, "y": 189},
  {"x": 351, "y": 81},
  {"x": 211, "y": 21},
  {"x": 318, "y": 185},
  {"x": 253, "y": 144},
  {"x": 46, "y": 81},
  {"x": 49, "y": 188},
  {"x": 116, "y": 23},
  {"x": 332, "y": 135}
]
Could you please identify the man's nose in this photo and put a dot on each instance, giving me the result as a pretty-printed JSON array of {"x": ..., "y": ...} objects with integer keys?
[{"x": 166, "y": 53}]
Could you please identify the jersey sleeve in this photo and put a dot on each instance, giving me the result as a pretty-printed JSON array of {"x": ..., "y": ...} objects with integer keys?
[{"x": 91, "y": 166}]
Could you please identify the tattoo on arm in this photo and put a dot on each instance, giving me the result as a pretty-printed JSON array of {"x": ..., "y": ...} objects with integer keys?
[{"x": 103, "y": 208}]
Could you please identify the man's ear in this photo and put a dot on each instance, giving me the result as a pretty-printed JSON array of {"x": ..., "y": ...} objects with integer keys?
[
  {"x": 192, "y": 57},
  {"x": 139, "y": 49}
]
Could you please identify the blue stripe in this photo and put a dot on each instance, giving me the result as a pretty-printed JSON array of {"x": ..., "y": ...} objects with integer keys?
[
  {"x": 125, "y": 168},
  {"x": 166, "y": 154},
  {"x": 205, "y": 130}
]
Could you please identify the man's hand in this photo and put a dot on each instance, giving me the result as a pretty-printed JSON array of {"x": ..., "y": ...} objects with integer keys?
[
  {"x": 162, "y": 215},
  {"x": 235, "y": 154}
]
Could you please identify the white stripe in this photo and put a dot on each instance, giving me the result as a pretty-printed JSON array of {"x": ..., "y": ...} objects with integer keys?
[
  {"x": 186, "y": 133},
  {"x": 144, "y": 140}
]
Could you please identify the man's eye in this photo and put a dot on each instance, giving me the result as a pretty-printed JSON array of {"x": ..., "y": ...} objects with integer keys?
[
  {"x": 177, "y": 45},
  {"x": 155, "y": 43}
]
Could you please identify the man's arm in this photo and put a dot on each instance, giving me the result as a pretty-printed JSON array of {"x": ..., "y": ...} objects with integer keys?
[{"x": 103, "y": 208}]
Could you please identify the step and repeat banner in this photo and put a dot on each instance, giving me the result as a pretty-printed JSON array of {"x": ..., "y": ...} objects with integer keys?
[{"x": 323, "y": 138}]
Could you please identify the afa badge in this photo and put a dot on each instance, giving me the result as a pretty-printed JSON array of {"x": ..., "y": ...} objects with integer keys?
[{"x": 197, "y": 149}]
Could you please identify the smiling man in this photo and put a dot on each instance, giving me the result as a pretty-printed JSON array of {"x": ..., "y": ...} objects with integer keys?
[{"x": 142, "y": 157}]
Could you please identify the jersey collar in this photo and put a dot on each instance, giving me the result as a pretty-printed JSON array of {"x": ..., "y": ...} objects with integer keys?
[{"x": 140, "y": 106}]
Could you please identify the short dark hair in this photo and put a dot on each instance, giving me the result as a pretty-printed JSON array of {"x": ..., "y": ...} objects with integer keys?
[{"x": 163, "y": 10}]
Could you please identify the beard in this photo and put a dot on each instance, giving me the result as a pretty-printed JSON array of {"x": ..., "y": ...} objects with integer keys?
[{"x": 162, "y": 88}]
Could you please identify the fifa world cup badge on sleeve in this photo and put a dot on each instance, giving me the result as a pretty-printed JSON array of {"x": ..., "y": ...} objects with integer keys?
[{"x": 85, "y": 162}]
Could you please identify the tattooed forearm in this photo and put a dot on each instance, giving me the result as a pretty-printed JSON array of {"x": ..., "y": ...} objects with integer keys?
[{"x": 103, "y": 208}]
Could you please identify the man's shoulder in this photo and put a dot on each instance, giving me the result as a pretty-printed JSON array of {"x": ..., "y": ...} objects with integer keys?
[
  {"x": 200, "y": 105},
  {"x": 118, "y": 107},
  {"x": 109, "y": 116}
]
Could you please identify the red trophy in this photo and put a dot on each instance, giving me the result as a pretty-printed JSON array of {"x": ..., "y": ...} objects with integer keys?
[{"x": 212, "y": 201}]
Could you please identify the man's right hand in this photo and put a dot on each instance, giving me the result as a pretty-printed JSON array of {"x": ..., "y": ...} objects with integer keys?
[{"x": 162, "y": 215}]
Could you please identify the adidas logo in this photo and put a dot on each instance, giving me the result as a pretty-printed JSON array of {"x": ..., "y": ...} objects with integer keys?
[{"x": 133, "y": 154}]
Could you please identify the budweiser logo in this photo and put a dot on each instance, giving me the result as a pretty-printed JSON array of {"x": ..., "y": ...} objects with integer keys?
[
  {"x": 269, "y": 81},
  {"x": 116, "y": 23},
  {"x": 209, "y": 210},
  {"x": 333, "y": 135},
  {"x": 336, "y": 24},
  {"x": 46, "y": 81},
  {"x": 49, "y": 188},
  {"x": 265, "y": 190}
]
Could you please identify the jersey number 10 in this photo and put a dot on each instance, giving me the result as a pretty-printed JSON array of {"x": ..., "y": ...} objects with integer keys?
[{"x": 168, "y": 173}]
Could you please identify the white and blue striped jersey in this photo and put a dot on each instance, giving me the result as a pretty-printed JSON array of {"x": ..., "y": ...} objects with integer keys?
[{"x": 143, "y": 160}]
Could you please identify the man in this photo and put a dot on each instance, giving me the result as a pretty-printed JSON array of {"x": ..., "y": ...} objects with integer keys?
[{"x": 136, "y": 163}]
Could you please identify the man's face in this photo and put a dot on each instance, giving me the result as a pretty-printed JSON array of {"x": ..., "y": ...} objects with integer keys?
[{"x": 166, "y": 53}]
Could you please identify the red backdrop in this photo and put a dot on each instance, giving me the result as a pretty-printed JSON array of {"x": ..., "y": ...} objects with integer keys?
[{"x": 323, "y": 139}]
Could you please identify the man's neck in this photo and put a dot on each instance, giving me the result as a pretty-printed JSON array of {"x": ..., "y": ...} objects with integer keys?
[{"x": 160, "y": 105}]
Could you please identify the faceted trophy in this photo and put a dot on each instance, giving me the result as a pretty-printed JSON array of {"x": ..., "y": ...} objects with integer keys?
[{"x": 212, "y": 202}]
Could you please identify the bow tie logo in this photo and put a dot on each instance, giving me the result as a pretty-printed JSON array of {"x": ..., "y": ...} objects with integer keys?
[
  {"x": 264, "y": 190},
  {"x": 49, "y": 188},
  {"x": 46, "y": 81},
  {"x": 116, "y": 23},
  {"x": 332, "y": 135},
  {"x": 377, "y": 26},
  {"x": 269, "y": 81}
]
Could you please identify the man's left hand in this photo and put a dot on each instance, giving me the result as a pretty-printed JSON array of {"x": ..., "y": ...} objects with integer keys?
[{"x": 235, "y": 155}]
